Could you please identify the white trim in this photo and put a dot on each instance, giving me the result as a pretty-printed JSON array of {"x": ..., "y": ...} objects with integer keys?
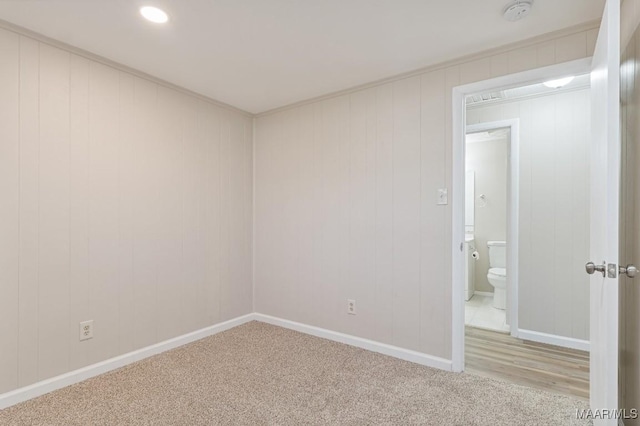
[
  {"x": 370, "y": 345},
  {"x": 552, "y": 339},
  {"x": 580, "y": 66},
  {"x": 49, "y": 385},
  {"x": 483, "y": 293},
  {"x": 45, "y": 386},
  {"x": 513, "y": 200}
]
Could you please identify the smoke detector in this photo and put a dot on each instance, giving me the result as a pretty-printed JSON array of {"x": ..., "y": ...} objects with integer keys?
[{"x": 517, "y": 10}]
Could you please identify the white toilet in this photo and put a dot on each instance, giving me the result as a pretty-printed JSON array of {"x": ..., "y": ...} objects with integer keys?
[{"x": 497, "y": 274}]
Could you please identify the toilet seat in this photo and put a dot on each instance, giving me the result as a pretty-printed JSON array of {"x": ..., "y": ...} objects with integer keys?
[{"x": 499, "y": 272}]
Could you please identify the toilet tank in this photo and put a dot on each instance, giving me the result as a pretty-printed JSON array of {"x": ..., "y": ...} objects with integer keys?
[{"x": 497, "y": 254}]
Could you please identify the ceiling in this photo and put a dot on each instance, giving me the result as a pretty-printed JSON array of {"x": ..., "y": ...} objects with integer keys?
[
  {"x": 481, "y": 99},
  {"x": 486, "y": 136},
  {"x": 262, "y": 54}
]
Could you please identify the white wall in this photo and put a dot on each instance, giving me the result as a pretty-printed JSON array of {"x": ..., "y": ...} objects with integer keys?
[
  {"x": 554, "y": 209},
  {"x": 488, "y": 160},
  {"x": 122, "y": 201},
  {"x": 345, "y": 202},
  {"x": 128, "y": 202}
]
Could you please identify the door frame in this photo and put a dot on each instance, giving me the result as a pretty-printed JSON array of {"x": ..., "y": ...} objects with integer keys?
[
  {"x": 513, "y": 169},
  {"x": 459, "y": 93}
]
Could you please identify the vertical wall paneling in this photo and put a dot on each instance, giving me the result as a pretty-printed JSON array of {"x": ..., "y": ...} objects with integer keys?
[
  {"x": 103, "y": 209},
  {"x": 145, "y": 211},
  {"x": 571, "y": 47},
  {"x": 452, "y": 79},
  {"x": 543, "y": 208},
  {"x": 432, "y": 235},
  {"x": 265, "y": 227},
  {"x": 288, "y": 194},
  {"x": 212, "y": 130},
  {"x": 193, "y": 219},
  {"x": 79, "y": 291},
  {"x": 54, "y": 219},
  {"x": 361, "y": 277},
  {"x": 122, "y": 201},
  {"x": 553, "y": 195},
  {"x": 169, "y": 174},
  {"x": 29, "y": 211},
  {"x": 522, "y": 59},
  {"x": 126, "y": 201},
  {"x": 384, "y": 213},
  {"x": 226, "y": 295},
  {"x": 237, "y": 218},
  {"x": 129, "y": 203},
  {"x": 306, "y": 174},
  {"x": 565, "y": 202},
  {"x": 10, "y": 240},
  {"x": 581, "y": 224},
  {"x": 345, "y": 203},
  {"x": 488, "y": 161},
  {"x": 475, "y": 71},
  {"x": 406, "y": 212},
  {"x": 547, "y": 55},
  {"x": 499, "y": 65}
]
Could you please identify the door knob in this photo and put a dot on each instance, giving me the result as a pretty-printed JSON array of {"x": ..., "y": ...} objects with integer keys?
[
  {"x": 592, "y": 268},
  {"x": 630, "y": 270}
]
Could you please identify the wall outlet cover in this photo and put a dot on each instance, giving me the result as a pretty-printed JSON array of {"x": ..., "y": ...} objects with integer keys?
[
  {"x": 351, "y": 306},
  {"x": 86, "y": 330}
]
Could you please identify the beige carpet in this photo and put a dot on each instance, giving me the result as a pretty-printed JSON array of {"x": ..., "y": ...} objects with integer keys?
[{"x": 260, "y": 374}]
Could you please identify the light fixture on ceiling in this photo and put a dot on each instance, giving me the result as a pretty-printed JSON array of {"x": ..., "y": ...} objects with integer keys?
[
  {"x": 154, "y": 14},
  {"x": 556, "y": 84},
  {"x": 517, "y": 9}
]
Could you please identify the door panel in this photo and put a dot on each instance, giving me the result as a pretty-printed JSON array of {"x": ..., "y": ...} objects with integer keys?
[{"x": 605, "y": 198}]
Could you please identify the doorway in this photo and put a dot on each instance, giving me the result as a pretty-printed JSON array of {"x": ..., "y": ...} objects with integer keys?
[
  {"x": 491, "y": 224},
  {"x": 538, "y": 329}
]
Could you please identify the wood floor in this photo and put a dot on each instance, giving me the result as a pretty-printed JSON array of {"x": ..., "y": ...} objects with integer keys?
[{"x": 553, "y": 368}]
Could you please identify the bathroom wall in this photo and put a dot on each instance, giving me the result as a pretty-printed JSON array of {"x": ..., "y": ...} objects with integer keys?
[
  {"x": 554, "y": 209},
  {"x": 123, "y": 201},
  {"x": 488, "y": 159}
]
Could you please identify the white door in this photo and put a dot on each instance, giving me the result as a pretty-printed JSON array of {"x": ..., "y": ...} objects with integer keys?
[{"x": 605, "y": 201}]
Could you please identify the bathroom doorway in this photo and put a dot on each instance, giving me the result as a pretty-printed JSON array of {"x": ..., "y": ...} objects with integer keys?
[
  {"x": 491, "y": 223},
  {"x": 526, "y": 232}
]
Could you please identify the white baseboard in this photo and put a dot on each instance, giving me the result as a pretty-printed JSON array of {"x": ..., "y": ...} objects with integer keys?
[
  {"x": 45, "y": 386},
  {"x": 370, "y": 345},
  {"x": 551, "y": 339},
  {"x": 49, "y": 385},
  {"x": 483, "y": 293}
]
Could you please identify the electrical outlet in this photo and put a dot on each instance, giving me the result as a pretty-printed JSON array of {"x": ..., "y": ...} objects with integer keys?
[
  {"x": 86, "y": 330},
  {"x": 351, "y": 306}
]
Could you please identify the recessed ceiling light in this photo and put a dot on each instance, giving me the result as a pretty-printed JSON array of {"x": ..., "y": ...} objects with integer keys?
[
  {"x": 154, "y": 14},
  {"x": 556, "y": 84}
]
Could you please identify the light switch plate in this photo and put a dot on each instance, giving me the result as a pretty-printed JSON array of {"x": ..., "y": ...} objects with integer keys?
[{"x": 443, "y": 197}]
